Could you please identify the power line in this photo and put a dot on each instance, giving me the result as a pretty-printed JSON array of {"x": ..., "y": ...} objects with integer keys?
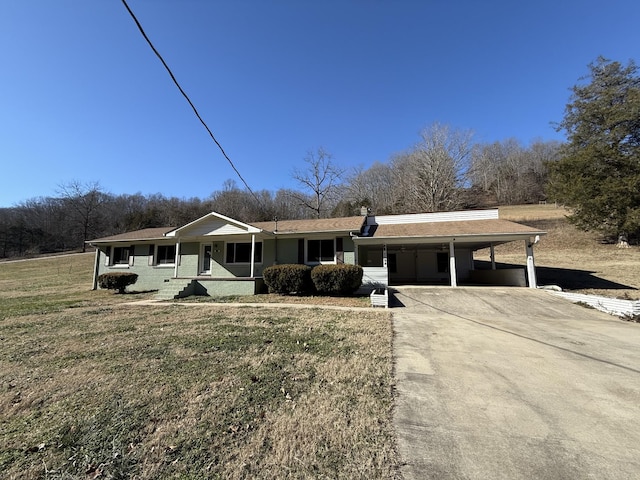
[{"x": 189, "y": 101}]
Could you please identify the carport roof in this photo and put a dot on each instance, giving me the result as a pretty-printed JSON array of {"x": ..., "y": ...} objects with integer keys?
[
  {"x": 448, "y": 229},
  {"x": 474, "y": 233}
]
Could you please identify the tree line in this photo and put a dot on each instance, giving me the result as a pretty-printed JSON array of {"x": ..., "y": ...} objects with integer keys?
[
  {"x": 442, "y": 171},
  {"x": 596, "y": 173}
]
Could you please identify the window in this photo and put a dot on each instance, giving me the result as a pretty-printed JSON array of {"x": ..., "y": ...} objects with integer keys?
[
  {"x": 166, "y": 255},
  {"x": 319, "y": 251},
  {"x": 240, "y": 252},
  {"x": 121, "y": 255}
]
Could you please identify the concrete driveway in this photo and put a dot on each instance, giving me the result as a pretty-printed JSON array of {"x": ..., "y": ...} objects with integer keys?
[{"x": 513, "y": 383}]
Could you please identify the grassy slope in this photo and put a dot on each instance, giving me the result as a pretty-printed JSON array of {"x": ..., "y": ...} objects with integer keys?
[
  {"x": 91, "y": 388},
  {"x": 573, "y": 259}
]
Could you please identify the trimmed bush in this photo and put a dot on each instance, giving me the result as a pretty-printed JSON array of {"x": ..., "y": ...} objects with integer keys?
[
  {"x": 288, "y": 278},
  {"x": 117, "y": 280},
  {"x": 341, "y": 279}
]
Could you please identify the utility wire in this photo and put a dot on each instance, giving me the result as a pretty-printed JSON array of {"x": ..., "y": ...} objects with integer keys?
[{"x": 189, "y": 101}]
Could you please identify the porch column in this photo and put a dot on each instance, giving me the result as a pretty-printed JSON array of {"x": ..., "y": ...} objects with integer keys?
[
  {"x": 176, "y": 260},
  {"x": 492, "y": 254},
  {"x": 96, "y": 269},
  {"x": 452, "y": 265},
  {"x": 253, "y": 254},
  {"x": 531, "y": 268}
]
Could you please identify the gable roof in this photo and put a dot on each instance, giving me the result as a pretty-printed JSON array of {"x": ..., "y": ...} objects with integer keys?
[
  {"x": 214, "y": 224},
  {"x": 144, "y": 234},
  {"x": 313, "y": 225}
]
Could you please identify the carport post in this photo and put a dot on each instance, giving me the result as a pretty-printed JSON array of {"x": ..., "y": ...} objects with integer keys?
[
  {"x": 531, "y": 268},
  {"x": 253, "y": 255},
  {"x": 452, "y": 265},
  {"x": 492, "y": 254}
]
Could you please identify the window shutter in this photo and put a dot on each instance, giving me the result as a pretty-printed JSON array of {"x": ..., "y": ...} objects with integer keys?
[
  {"x": 301, "y": 250},
  {"x": 151, "y": 250},
  {"x": 107, "y": 256},
  {"x": 131, "y": 255}
]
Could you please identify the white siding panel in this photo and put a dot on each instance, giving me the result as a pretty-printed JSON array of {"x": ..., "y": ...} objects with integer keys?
[
  {"x": 375, "y": 276},
  {"x": 433, "y": 217},
  {"x": 612, "y": 306},
  {"x": 214, "y": 227}
]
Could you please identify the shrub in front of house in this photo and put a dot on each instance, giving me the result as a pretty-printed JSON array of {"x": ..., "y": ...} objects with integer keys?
[
  {"x": 340, "y": 279},
  {"x": 288, "y": 279},
  {"x": 117, "y": 280}
]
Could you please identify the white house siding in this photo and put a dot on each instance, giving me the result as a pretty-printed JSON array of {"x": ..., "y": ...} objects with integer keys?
[
  {"x": 373, "y": 277},
  {"x": 433, "y": 217},
  {"x": 213, "y": 227}
]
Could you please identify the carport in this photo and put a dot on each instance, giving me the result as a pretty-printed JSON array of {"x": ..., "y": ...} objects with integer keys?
[{"x": 438, "y": 248}]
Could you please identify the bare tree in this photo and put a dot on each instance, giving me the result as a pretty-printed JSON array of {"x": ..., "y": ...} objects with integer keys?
[
  {"x": 320, "y": 181},
  {"x": 430, "y": 176},
  {"x": 84, "y": 202},
  {"x": 512, "y": 173},
  {"x": 373, "y": 188}
]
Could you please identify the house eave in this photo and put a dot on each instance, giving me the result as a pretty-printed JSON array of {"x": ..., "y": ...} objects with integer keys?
[{"x": 437, "y": 239}]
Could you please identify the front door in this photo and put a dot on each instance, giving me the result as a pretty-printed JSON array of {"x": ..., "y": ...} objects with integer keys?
[{"x": 205, "y": 259}]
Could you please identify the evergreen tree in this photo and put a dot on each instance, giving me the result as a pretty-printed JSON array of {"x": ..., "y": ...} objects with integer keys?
[{"x": 598, "y": 175}]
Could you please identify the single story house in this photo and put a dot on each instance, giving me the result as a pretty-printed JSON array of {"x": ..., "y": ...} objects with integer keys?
[{"x": 217, "y": 255}]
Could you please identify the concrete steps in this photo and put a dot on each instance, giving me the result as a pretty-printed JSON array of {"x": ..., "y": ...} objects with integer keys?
[{"x": 174, "y": 288}]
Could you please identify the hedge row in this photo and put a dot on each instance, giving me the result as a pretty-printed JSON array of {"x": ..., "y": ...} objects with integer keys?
[
  {"x": 289, "y": 278},
  {"x": 117, "y": 280},
  {"x": 338, "y": 279}
]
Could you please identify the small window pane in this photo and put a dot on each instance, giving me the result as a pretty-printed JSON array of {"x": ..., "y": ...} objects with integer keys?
[
  {"x": 231, "y": 252},
  {"x": 121, "y": 255},
  {"x": 166, "y": 254},
  {"x": 241, "y": 252},
  {"x": 313, "y": 251},
  {"x": 327, "y": 253},
  {"x": 320, "y": 251}
]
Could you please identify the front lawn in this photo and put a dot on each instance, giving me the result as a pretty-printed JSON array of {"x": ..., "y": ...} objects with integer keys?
[{"x": 91, "y": 389}]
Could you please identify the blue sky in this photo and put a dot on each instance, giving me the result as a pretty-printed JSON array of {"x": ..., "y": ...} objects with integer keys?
[{"x": 82, "y": 97}]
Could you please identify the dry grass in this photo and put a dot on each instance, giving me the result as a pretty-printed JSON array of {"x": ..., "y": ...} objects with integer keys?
[
  {"x": 525, "y": 213},
  {"x": 92, "y": 388},
  {"x": 362, "y": 301},
  {"x": 573, "y": 259}
]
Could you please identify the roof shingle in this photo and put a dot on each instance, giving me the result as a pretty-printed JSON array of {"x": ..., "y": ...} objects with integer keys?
[
  {"x": 343, "y": 224},
  {"x": 144, "y": 234}
]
